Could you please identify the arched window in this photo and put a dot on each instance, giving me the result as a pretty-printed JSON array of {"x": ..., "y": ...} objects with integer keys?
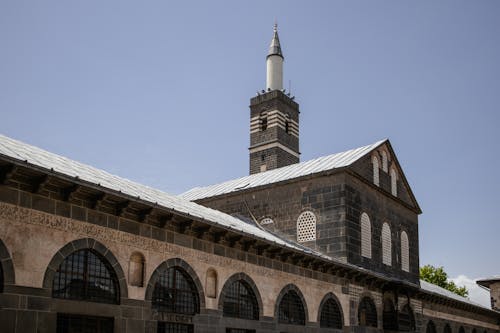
[
  {"x": 431, "y": 328},
  {"x": 447, "y": 328},
  {"x": 389, "y": 316},
  {"x": 175, "y": 292},
  {"x": 375, "y": 170},
  {"x": 263, "y": 121},
  {"x": 306, "y": 227},
  {"x": 386, "y": 245},
  {"x": 405, "y": 252},
  {"x": 211, "y": 283},
  {"x": 367, "y": 313},
  {"x": 287, "y": 124},
  {"x": 366, "y": 236},
  {"x": 394, "y": 182},
  {"x": 240, "y": 301},
  {"x": 136, "y": 270},
  {"x": 291, "y": 309},
  {"x": 384, "y": 161},
  {"x": 406, "y": 319},
  {"x": 86, "y": 275},
  {"x": 331, "y": 316}
]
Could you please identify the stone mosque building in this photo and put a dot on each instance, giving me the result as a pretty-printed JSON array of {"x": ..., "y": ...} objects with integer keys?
[{"x": 326, "y": 245}]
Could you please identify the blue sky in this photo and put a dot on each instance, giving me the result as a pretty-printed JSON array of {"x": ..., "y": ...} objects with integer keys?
[{"x": 158, "y": 92}]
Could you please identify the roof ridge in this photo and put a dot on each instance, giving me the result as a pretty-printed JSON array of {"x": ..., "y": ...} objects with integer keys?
[{"x": 317, "y": 164}]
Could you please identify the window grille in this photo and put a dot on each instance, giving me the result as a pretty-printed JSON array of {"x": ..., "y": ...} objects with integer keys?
[
  {"x": 447, "y": 328},
  {"x": 266, "y": 220},
  {"x": 431, "y": 328},
  {"x": 331, "y": 316},
  {"x": 394, "y": 183},
  {"x": 376, "y": 180},
  {"x": 389, "y": 316},
  {"x": 366, "y": 236},
  {"x": 306, "y": 227},
  {"x": 405, "y": 252},
  {"x": 406, "y": 319},
  {"x": 240, "y": 301},
  {"x": 67, "y": 323},
  {"x": 238, "y": 330},
  {"x": 175, "y": 292},
  {"x": 367, "y": 313},
  {"x": 86, "y": 275},
  {"x": 384, "y": 161},
  {"x": 291, "y": 309},
  {"x": 165, "y": 327},
  {"x": 386, "y": 245}
]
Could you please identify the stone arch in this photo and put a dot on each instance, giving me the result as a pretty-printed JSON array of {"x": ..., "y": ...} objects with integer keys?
[
  {"x": 389, "y": 315},
  {"x": 430, "y": 327},
  {"x": 7, "y": 267},
  {"x": 283, "y": 292},
  {"x": 406, "y": 319},
  {"x": 331, "y": 296},
  {"x": 236, "y": 277},
  {"x": 81, "y": 244},
  {"x": 367, "y": 312},
  {"x": 173, "y": 262}
]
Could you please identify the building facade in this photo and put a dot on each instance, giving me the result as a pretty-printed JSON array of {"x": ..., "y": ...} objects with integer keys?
[{"x": 327, "y": 245}]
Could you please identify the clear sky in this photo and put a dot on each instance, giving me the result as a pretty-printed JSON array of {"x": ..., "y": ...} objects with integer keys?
[{"x": 158, "y": 92}]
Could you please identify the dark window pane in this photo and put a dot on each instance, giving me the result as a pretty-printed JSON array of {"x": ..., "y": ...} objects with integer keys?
[
  {"x": 331, "y": 316},
  {"x": 291, "y": 309},
  {"x": 367, "y": 313},
  {"x": 240, "y": 301},
  {"x": 175, "y": 292},
  {"x": 85, "y": 275}
]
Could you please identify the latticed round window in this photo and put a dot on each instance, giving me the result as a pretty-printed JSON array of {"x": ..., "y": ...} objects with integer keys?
[
  {"x": 306, "y": 227},
  {"x": 266, "y": 220}
]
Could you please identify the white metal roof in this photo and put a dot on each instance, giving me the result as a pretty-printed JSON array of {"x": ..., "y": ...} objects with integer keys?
[
  {"x": 316, "y": 165},
  {"x": 40, "y": 158},
  {"x": 432, "y": 288}
]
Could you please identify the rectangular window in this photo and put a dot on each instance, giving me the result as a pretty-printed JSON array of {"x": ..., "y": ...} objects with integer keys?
[
  {"x": 69, "y": 323},
  {"x": 164, "y": 327}
]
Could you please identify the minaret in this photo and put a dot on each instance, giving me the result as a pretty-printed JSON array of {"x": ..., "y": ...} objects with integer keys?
[
  {"x": 274, "y": 118},
  {"x": 274, "y": 64}
]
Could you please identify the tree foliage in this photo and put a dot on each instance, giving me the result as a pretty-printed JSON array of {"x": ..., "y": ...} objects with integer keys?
[{"x": 437, "y": 276}]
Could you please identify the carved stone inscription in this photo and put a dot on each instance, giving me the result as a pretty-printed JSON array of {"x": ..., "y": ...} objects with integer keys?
[{"x": 24, "y": 215}]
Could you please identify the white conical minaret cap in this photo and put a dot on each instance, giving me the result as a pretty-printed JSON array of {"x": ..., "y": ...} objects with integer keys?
[{"x": 274, "y": 63}]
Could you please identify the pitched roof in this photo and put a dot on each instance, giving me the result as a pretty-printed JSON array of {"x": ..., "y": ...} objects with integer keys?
[
  {"x": 28, "y": 155},
  {"x": 297, "y": 170},
  {"x": 435, "y": 289},
  {"x": 486, "y": 282}
]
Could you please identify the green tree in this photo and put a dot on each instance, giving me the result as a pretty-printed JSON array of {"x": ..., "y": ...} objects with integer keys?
[{"x": 437, "y": 276}]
